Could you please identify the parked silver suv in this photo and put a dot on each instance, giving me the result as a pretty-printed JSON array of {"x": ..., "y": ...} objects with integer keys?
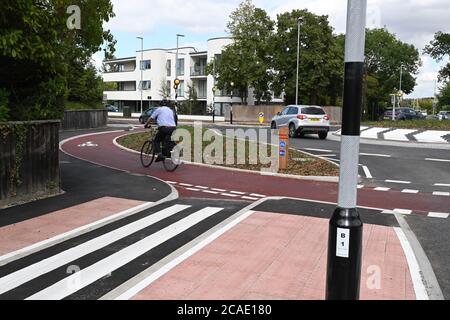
[{"x": 303, "y": 120}]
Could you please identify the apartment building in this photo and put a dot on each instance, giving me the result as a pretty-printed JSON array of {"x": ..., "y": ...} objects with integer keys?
[{"x": 157, "y": 69}]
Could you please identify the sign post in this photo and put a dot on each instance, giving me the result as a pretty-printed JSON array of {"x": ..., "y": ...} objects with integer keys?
[
  {"x": 346, "y": 227},
  {"x": 284, "y": 147}
]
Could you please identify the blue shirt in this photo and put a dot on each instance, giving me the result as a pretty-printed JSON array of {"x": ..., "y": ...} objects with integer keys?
[{"x": 165, "y": 117}]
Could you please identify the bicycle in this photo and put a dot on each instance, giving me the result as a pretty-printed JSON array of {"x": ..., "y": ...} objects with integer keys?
[{"x": 171, "y": 151}]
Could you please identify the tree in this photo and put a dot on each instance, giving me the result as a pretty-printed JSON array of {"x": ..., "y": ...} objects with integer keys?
[
  {"x": 444, "y": 97},
  {"x": 321, "y": 60},
  {"x": 385, "y": 56},
  {"x": 438, "y": 49},
  {"x": 246, "y": 62},
  {"x": 39, "y": 49},
  {"x": 84, "y": 84},
  {"x": 164, "y": 91}
]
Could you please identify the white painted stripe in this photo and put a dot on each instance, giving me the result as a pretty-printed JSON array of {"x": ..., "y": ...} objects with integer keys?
[
  {"x": 220, "y": 190},
  {"x": 63, "y": 288},
  {"x": 441, "y": 194},
  {"x": 201, "y": 187},
  {"x": 171, "y": 182},
  {"x": 229, "y": 195},
  {"x": 7, "y": 258},
  {"x": 21, "y": 276},
  {"x": 410, "y": 191},
  {"x": 388, "y": 211},
  {"x": 398, "y": 134},
  {"x": 186, "y": 185},
  {"x": 398, "y": 181},
  {"x": 360, "y": 186},
  {"x": 210, "y": 192},
  {"x": 382, "y": 189},
  {"x": 237, "y": 192},
  {"x": 439, "y": 215},
  {"x": 414, "y": 269},
  {"x": 402, "y": 211},
  {"x": 367, "y": 172},
  {"x": 441, "y": 185},
  {"x": 249, "y": 198},
  {"x": 193, "y": 189},
  {"x": 375, "y": 155},
  {"x": 257, "y": 195},
  {"x": 437, "y": 160},
  {"x": 318, "y": 150},
  {"x": 327, "y": 155},
  {"x": 155, "y": 276}
]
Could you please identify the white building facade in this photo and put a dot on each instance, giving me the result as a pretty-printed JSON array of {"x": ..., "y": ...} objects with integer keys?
[{"x": 158, "y": 75}]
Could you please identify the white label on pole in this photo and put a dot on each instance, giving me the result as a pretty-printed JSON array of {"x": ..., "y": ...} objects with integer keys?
[{"x": 343, "y": 243}]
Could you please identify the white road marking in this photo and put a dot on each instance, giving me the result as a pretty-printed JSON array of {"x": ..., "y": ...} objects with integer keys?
[
  {"x": 186, "y": 185},
  {"x": 257, "y": 195},
  {"x": 367, "y": 172},
  {"x": 416, "y": 274},
  {"x": 397, "y": 181},
  {"x": 250, "y": 198},
  {"x": 237, "y": 192},
  {"x": 193, "y": 189},
  {"x": 410, "y": 191},
  {"x": 327, "y": 155},
  {"x": 375, "y": 155},
  {"x": 441, "y": 194},
  {"x": 432, "y": 136},
  {"x": 441, "y": 185},
  {"x": 229, "y": 195},
  {"x": 169, "y": 266},
  {"x": 398, "y": 134},
  {"x": 24, "y": 275},
  {"x": 439, "y": 215},
  {"x": 211, "y": 192},
  {"x": 382, "y": 189},
  {"x": 89, "y": 275},
  {"x": 201, "y": 187},
  {"x": 437, "y": 160},
  {"x": 372, "y": 133},
  {"x": 171, "y": 182},
  {"x": 220, "y": 190},
  {"x": 403, "y": 211},
  {"x": 360, "y": 186},
  {"x": 318, "y": 150}
]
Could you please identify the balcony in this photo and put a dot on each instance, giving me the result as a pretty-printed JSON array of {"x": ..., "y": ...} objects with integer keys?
[{"x": 198, "y": 71}]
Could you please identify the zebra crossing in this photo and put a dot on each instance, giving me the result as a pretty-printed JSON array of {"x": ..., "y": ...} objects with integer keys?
[
  {"x": 89, "y": 266},
  {"x": 404, "y": 135}
]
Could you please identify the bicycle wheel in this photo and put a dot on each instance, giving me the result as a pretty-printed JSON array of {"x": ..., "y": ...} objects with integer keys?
[
  {"x": 147, "y": 154},
  {"x": 171, "y": 164}
]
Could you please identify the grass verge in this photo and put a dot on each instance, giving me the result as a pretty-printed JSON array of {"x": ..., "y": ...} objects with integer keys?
[{"x": 300, "y": 164}]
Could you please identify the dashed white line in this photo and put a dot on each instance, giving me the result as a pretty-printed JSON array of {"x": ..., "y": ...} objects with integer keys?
[
  {"x": 441, "y": 194},
  {"x": 257, "y": 195},
  {"x": 229, "y": 195},
  {"x": 220, "y": 190},
  {"x": 237, "y": 192},
  {"x": 439, "y": 215},
  {"x": 437, "y": 160},
  {"x": 192, "y": 189},
  {"x": 211, "y": 192},
  {"x": 441, "y": 185},
  {"x": 250, "y": 198},
  {"x": 403, "y": 211},
  {"x": 327, "y": 155},
  {"x": 397, "y": 181},
  {"x": 201, "y": 187},
  {"x": 171, "y": 182},
  {"x": 318, "y": 150},
  {"x": 375, "y": 155},
  {"x": 367, "y": 172},
  {"x": 186, "y": 185},
  {"x": 410, "y": 191},
  {"x": 382, "y": 189}
]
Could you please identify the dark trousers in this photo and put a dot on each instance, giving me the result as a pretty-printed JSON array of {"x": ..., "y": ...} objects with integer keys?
[{"x": 163, "y": 133}]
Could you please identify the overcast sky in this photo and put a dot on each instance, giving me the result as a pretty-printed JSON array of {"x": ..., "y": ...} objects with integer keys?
[{"x": 413, "y": 21}]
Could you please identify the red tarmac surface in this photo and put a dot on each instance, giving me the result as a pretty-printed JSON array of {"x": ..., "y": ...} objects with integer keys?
[
  {"x": 270, "y": 256},
  {"x": 107, "y": 154}
]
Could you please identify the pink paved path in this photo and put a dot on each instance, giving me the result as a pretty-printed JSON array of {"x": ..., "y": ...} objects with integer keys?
[
  {"x": 271, "y": 256},
  {"x": 23, "y": 234}
]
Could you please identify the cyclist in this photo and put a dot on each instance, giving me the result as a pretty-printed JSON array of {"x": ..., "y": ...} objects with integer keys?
[{"x": 167, "y": 120}]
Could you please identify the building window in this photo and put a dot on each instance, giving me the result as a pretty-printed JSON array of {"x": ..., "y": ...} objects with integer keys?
[
  {"x": 146, "y": 65},
  {"x": 169, "y": 68},
  {"x": 180, "y": 67},
  {"x": 145, "y": 85},
  {"x": 169, "y": 88},
  {"x": 180, "y": 90}
]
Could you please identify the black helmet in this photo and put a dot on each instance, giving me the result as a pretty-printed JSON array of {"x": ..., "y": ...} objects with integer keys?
[{"x": 164, "y": 103}]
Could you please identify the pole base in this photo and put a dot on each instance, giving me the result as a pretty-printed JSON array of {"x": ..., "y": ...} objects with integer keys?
[{"x": 344, "y": 255}]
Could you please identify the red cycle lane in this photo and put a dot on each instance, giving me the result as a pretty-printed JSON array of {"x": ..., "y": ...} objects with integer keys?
[{"x": 101, "y": 150}]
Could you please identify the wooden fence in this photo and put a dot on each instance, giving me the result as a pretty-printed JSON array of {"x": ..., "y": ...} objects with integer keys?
[
  {"x": 84, "y": 119},
  {"x": 29, "y": 160}
]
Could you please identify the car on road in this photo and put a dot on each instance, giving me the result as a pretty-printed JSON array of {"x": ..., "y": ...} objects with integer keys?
[
  {"x": 444, "y": 115},
  {"x": 403, "y": 114},
  {"x": 146, "y": 115},
  {"x": 111, "y": 108},
  {"x": 303, "y": 120}
]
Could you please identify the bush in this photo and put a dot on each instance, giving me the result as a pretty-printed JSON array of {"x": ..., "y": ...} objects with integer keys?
[{"x": 4, "y": 111}]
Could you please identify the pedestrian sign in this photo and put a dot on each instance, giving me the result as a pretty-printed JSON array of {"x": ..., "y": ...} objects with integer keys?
[
  {"x": 282, "y": 153},
  {"x": 282, "y": 144},
  {"x": 261, "y": 117}
]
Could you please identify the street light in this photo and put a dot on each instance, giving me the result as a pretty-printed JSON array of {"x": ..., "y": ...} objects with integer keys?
[
  {"x": 299, "y": 21},
  {"x": 142, "y": 72},
  {"x": 231, "y": 108}
]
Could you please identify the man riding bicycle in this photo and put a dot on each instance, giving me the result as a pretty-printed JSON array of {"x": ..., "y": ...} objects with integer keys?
[{"x": 167, "y": 120}]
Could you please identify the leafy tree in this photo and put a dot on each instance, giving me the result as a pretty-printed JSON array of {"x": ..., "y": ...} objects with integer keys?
[
  {"x": 321, "y": 60},
  {"x": 40, "y": 50},
  {"x": 84, "y": 84},
  {"x": 438, "y": 48},
  {"x": 164, "y": 91},
  {"x": 444, "y": 97},
  {"x": 246, "y": 62}
]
